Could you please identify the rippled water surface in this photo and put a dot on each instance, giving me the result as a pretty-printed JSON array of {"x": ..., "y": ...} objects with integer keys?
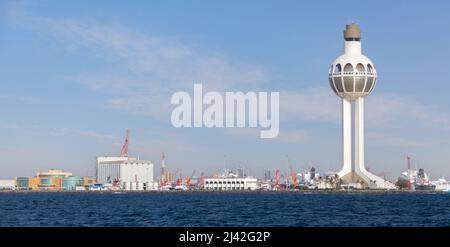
[{"x": 224, "y": 209}]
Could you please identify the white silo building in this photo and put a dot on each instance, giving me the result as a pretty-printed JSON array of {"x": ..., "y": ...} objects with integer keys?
[{"x": 125, "y": 173}]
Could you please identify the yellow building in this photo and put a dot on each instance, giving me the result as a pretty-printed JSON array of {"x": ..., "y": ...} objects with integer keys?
[
  {"x": 88, "y": 181},
  {"x": 54, "y": 173},
  {"x": 167, "y": 177}
]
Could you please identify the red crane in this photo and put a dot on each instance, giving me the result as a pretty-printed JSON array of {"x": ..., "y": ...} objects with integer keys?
[
  {"x": 277, "y": 179},
  {"x": 188, "y": 179},
  {"x": 293, "y": 175},
  {"x": 124, "y": 150},
  {"x": 179, "y": 179}
]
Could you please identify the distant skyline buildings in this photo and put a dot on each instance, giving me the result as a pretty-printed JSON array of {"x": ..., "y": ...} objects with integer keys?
[
  {"x": 75, "y": 75},
  {"x": 267, "y": 175}
]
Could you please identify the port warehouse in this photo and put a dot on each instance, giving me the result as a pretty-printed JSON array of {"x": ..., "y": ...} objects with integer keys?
[
  {"x": 125, "y": 172},
  {"x": 129, "y": 174}
]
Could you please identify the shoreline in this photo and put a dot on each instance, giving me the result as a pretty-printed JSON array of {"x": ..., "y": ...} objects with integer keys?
[{"x": 232, "y": 192}]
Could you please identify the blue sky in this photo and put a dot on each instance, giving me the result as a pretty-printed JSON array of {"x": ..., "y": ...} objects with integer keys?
[{"x": 74, "y": 75}]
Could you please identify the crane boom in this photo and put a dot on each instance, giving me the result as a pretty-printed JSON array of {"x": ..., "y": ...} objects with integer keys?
[
  {"x": 124, "y": 150},
  {"x": 293, "y": 175},
  {"x": 188, "y": 178},
  {"x": 277, "y": 179}
]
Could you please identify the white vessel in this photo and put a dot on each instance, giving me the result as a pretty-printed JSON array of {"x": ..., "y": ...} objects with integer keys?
[
  {"x": 441, "y": 185},
  {"x": 180, "y": 187},
  {"x": 166, "y": 187}
]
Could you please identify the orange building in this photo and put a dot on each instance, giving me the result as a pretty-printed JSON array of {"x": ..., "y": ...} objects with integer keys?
[
  {"x": 53, "y": 180},
  {"x": 88, "y": 181}
]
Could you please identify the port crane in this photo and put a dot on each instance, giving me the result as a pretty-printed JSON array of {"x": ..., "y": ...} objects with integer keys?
[
  {"x": 202, "y": 180},
  {"x": 124, "y": 150},
  {"x": 277, "y": 179},
  {"x": 179, "y": 179},
  {"x": 188, "y": 178},
  {"x": 292, "y": 175}
]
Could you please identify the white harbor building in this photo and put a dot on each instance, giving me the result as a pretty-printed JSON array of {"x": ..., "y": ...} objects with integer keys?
[
  {"x": 231, "y": 183},
  {"x": 125, "y": 173}
]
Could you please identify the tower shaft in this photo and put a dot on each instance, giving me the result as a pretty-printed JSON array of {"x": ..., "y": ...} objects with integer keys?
[
  {"x": 359, "y": 135},
  {"x": 346, "y": 137},
  {"x": 354, "y": 172}
]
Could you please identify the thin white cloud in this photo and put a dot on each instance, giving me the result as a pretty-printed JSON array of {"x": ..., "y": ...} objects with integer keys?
[
  {"x": 175, "y": 145},
  {"x": 311, "y": 104},
  {"x": 86, "y": 133},
  {"x": 25, "y": 99},
  {"x": 30, "y": 100},
  {"x": 138, "y": 146},
  {"x": 4, "y": 125},
  {"x": 142, "y": 105},
  {"x": 382, "y": 110},
  {"x": 152, "y": 64},
  {"x": 285, "y": 136},
  {"x": 158, "y": 66},
  {"x": 293, "y": 136},
  {"x": 390, "y": 140}
]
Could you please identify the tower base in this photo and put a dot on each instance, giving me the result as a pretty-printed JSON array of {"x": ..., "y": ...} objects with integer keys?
[
  {"x": 366, "y": 180},
  {"x": 354, "y": 178}
]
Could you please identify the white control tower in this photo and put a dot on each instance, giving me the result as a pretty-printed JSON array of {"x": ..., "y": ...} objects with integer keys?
[{"x": 352, "y": 77}]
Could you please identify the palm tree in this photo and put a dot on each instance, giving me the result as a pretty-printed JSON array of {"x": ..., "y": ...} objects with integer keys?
[
  {"x": 337, "y": 181},
  {"x": 332, "y": 182},
  {"x": 362, "y": 184}
]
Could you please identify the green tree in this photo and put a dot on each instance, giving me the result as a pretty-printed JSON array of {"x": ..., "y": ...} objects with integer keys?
[{"x": 402, "y": 183}]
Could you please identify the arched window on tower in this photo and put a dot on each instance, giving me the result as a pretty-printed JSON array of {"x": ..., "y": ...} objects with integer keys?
[
  {"x": 370, "y": 81},
  {"x": 337, "y": 69},
  {"x": 332, "y": 84},
  {"x": 369, "y": 69},
  {"x": 360, "y": 78},
  {"x": 349, "y": 79},
  {"x": 360, "y": 69},
  {"x": 348, "y": 69}
]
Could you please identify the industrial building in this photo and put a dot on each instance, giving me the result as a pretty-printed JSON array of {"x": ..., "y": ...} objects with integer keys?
[
  {"x": 53, "y": 180},
  {"x": 267, "y": 176},
  {"x": 7, "y": 184},
  {"x": 231, "y": 183},
  {"x": 309, "y": 178},
  {"x": 125, "y": 173}
]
